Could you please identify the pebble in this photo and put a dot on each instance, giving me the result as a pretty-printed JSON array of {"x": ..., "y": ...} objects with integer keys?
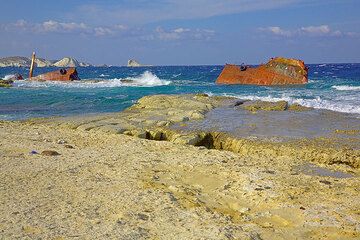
[
  {"x": 50, "y": 153},
  {"x": 61, "y": 141}
]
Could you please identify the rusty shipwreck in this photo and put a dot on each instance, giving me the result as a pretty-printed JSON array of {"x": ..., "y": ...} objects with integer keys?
[
  {"x": 63, "y": 74},
  {"x": 278, "y": 71}
]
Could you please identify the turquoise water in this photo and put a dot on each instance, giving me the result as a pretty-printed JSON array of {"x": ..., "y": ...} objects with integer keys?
[{"x": 331, "y": 86}]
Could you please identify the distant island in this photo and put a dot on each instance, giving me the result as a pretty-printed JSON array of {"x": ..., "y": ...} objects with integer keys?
[
  {"x": 134, "y": 63},
  {"x": 41, "y": 62},
  {"x": 17, "y": 61}
]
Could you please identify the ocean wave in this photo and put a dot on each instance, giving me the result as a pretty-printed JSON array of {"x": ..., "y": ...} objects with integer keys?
[
  {"x": 317, "y": 102},
  {"x": 346, "y": 88},
  {"x": 7, "y": 77},
  {"x": 146, "y": 79}
]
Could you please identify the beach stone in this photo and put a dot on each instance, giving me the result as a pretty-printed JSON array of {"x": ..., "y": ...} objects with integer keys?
[
  {"x": 61, "y": 141},
  {"x": 50, "y": 153}
]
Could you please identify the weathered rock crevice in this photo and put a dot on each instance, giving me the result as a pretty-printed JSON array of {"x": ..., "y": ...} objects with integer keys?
[{"x": 170, "y": 117}]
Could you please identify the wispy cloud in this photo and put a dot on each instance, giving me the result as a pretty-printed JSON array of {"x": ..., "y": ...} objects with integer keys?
[
  {"x": 159, "y": 33},
  {"x": 183, "y": 33},
  {"x": 52, "y": 26},
  {"x": 142, "y": 12},
  {"x": 310, "y": 31}
]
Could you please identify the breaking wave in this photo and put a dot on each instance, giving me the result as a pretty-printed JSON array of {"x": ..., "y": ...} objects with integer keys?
[
  {"x": 146, "y": 79},
  {"x": 346, "y": 88},
  {"x": 7, "y": 77},
  {"x": 317, "y": 102}
]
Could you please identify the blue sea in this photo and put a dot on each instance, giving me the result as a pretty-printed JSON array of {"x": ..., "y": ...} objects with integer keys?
[{"x": 331, "y": 86}]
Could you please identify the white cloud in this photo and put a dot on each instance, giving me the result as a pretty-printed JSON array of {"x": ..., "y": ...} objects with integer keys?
[
  {"x": 311, "y": 31},
  {"x": 183, "y": 33},
  {"x": 52, "y": 26},
  {"x": 323, "y": 29},
  {"x": 102, "y": 31},
  {"x": 276, "y": 31}
]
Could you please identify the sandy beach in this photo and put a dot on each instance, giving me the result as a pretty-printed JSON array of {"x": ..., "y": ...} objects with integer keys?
[{"x": 111, "y": 179}]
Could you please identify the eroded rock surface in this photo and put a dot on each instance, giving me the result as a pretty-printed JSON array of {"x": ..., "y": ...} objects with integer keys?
[
  {"x": 244, "y": 127},
  {"x": 114, "y": 186}
]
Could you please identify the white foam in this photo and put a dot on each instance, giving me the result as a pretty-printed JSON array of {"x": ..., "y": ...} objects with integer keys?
[
  {"x": 146, "y": 79},
  {"x": 314, "y": 103},
  {"x": 7, "y": 77},
  {"x": 346, "y": 88}
]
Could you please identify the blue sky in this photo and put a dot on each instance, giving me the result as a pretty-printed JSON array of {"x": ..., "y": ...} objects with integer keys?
[{"x": 187, "y": 32}]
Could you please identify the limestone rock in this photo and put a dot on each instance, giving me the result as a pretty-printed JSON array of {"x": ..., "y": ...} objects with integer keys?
[
  {"x": 67, "y": 62},
  {"x": 297, "y": 107},
  {"x": 134, "y": 63},
  {"x": 15, "y": 62},
  {"x": 254, "y": 106},
  {"x": 41, "y": 62}
]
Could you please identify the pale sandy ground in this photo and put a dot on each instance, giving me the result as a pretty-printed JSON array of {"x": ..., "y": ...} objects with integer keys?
[{"x": 120, "y": 187}]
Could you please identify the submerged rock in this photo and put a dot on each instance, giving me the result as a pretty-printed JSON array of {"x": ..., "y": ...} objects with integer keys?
[
  {"x": 278, "y": 71},
  {"x": 265, "y": 106}
]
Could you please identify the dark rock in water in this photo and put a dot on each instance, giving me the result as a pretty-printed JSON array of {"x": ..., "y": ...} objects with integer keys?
[
  {"x": 50, "y": 153},
  {"x": 6, "y": 83},
  {"x": 278, "y": 71},
  {"x": 126, "y": 80}
]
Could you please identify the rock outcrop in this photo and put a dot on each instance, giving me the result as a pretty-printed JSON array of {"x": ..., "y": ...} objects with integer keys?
[
  {"x": 6, "y": 83},
  {"x": 67, "y": 62},
  {"x": 134, "y": 63},
  {"x": 244, "y": 127},
  {"x": 278, "y": 71},
  {"x": 15, "y": 62},
  {"x": 41, "y": 62}
]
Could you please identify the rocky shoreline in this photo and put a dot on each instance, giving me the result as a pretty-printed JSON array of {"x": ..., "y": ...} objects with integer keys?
[{"x": 284, "y": 171}]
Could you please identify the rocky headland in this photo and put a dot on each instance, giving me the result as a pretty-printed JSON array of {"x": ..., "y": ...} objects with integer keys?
[
  {"x": 40, "y": 62},
  {"x": 183, "y": 166}
]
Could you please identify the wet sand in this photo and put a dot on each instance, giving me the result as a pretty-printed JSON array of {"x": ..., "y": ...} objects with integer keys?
[{"x": 107, "y": 185}]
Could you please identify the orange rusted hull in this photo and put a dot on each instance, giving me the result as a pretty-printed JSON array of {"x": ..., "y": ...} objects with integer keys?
[
  {"x": 278, "y": 71},
  {"x": 68, "y": 74}
]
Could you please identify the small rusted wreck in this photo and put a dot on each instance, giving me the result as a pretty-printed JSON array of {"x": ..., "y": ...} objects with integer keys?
[
  {"x": 63, "y": 74},
  {"x": 278, "y": 71}
]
